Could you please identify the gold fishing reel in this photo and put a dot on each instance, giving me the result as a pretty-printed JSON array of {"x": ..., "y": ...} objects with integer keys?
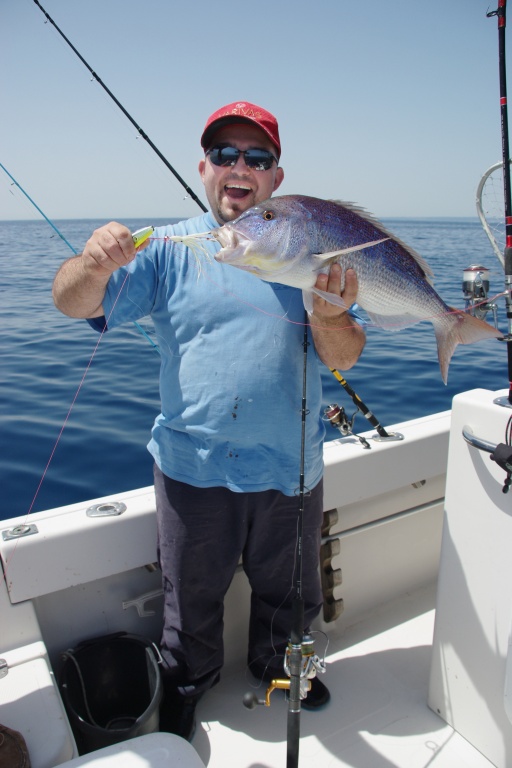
[{"x": 311, "y": 664}]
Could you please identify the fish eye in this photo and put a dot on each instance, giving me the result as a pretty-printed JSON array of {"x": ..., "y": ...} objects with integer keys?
[{"x": 268, "y": 215}]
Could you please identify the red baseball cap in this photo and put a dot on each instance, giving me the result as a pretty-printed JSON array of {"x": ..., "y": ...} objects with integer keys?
[{"x": 242, "y": 112}]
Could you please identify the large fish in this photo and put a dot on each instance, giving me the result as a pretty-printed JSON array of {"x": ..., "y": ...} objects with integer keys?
[{"x": 293, "y": 238}]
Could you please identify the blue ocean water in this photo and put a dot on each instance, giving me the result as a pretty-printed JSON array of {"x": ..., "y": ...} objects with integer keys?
[{"x": 66, "y": 438}]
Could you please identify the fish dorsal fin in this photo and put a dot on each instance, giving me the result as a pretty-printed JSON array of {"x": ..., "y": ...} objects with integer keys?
[{"x": 364, "y": 214}]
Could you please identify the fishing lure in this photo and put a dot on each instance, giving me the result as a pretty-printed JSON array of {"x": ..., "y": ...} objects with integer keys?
[{"x": 141, "y": 235}]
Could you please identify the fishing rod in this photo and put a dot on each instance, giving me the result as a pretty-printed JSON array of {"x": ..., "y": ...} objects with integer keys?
[
  {"x": 38, "y": 208},
  {"x": 52, "y": 225},
  {"x": 337, "y": 418},
  {"x": 301, "y": 662},
  {"x": 294, "y": 654},
  {"x": 360, "y": 405},
  {"x": 116, "y": 101},
  {"x": 501, "y": 13}
]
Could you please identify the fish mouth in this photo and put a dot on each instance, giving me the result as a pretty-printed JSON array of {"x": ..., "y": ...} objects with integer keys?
[
  {"x": 234, "y": 246},
  {"x": 227, "y": 237}
]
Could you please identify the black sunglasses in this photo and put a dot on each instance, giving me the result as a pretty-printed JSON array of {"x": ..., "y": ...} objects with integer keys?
[{"x": 257, "y": 159}]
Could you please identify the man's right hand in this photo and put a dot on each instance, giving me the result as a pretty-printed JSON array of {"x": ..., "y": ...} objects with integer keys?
[
  {"x": 80, "y": 284},
  {"x": 109, "y": 248}
]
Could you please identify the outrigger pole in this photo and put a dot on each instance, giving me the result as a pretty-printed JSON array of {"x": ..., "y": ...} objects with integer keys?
[
  {"x": 144, "y": 135},
  {"x": 501, "y": 13}
]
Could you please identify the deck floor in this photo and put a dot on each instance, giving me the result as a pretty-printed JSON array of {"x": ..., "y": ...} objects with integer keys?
[{"x": 378, "y": 674}]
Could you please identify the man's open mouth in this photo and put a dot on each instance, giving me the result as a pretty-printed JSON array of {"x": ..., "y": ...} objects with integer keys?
[{"x": 237, "y": 191}]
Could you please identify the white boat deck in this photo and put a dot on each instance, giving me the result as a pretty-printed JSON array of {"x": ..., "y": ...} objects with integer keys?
[
  {"x": 378, "y": 717},
  {"x": 78, "y": 576}
]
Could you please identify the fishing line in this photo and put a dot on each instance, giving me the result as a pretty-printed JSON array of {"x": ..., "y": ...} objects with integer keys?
[
  {"x": 137, "y": 325},
  {"x": 87, "y": 368},
  {"x": 59, "y": 436},
  {"x": 116, "y": 101}
]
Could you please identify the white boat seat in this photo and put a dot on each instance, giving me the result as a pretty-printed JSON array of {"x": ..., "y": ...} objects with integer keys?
[
  {"x": 154, "y": 750},
  {"x": 31, "y": 705}
]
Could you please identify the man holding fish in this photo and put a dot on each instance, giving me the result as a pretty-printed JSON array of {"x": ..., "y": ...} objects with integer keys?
[{"x": 227, "y": 443}]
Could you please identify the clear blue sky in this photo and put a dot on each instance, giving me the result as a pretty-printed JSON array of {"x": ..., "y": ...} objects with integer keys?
[{"x": 393, "y": 104}]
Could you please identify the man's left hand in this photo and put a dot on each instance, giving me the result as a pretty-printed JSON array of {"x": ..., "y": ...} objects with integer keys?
[{"x": 323, "y": 310}]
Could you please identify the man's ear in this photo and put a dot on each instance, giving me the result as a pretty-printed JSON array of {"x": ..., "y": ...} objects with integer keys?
[{"x": 279, "y": 178}]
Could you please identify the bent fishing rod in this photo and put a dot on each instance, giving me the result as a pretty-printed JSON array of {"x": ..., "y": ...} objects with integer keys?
[
  {"x": 125, "y": 112},
  {"x": 501, "y": 14}
]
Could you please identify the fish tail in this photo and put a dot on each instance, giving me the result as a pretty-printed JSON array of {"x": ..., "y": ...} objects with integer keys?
[{"x": 458, "y": 327}]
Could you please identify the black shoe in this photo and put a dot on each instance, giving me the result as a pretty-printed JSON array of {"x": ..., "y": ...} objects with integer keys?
[
  {"x": 178, "y": 710},
  {"x": 318, "y": 697},
  {"x": 178, "y": 715}
]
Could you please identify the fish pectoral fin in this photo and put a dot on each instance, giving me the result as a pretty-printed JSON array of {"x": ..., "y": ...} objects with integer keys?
[
  {"x": 307, "y": 298},
  {"x": 332, "y": 298},
  {"x": 324, "y": 258}
]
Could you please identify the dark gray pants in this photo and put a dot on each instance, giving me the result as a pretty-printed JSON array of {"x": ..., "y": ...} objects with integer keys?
[{"x": 202, "y": 532}]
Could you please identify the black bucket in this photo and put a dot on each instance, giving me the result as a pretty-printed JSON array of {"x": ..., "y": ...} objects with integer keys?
[{"x": 111, "y": 688}]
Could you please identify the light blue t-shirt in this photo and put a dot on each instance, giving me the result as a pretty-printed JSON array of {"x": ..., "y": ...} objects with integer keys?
[{"x": 231, "y": 372}]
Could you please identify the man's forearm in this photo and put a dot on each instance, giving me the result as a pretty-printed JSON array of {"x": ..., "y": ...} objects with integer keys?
[
  {"x": 338, "y": 341},
  {"x": 77, "y": 291}
]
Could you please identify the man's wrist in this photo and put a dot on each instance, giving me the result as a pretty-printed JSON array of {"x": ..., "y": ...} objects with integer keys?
[{"x": 343, "y": 320}]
